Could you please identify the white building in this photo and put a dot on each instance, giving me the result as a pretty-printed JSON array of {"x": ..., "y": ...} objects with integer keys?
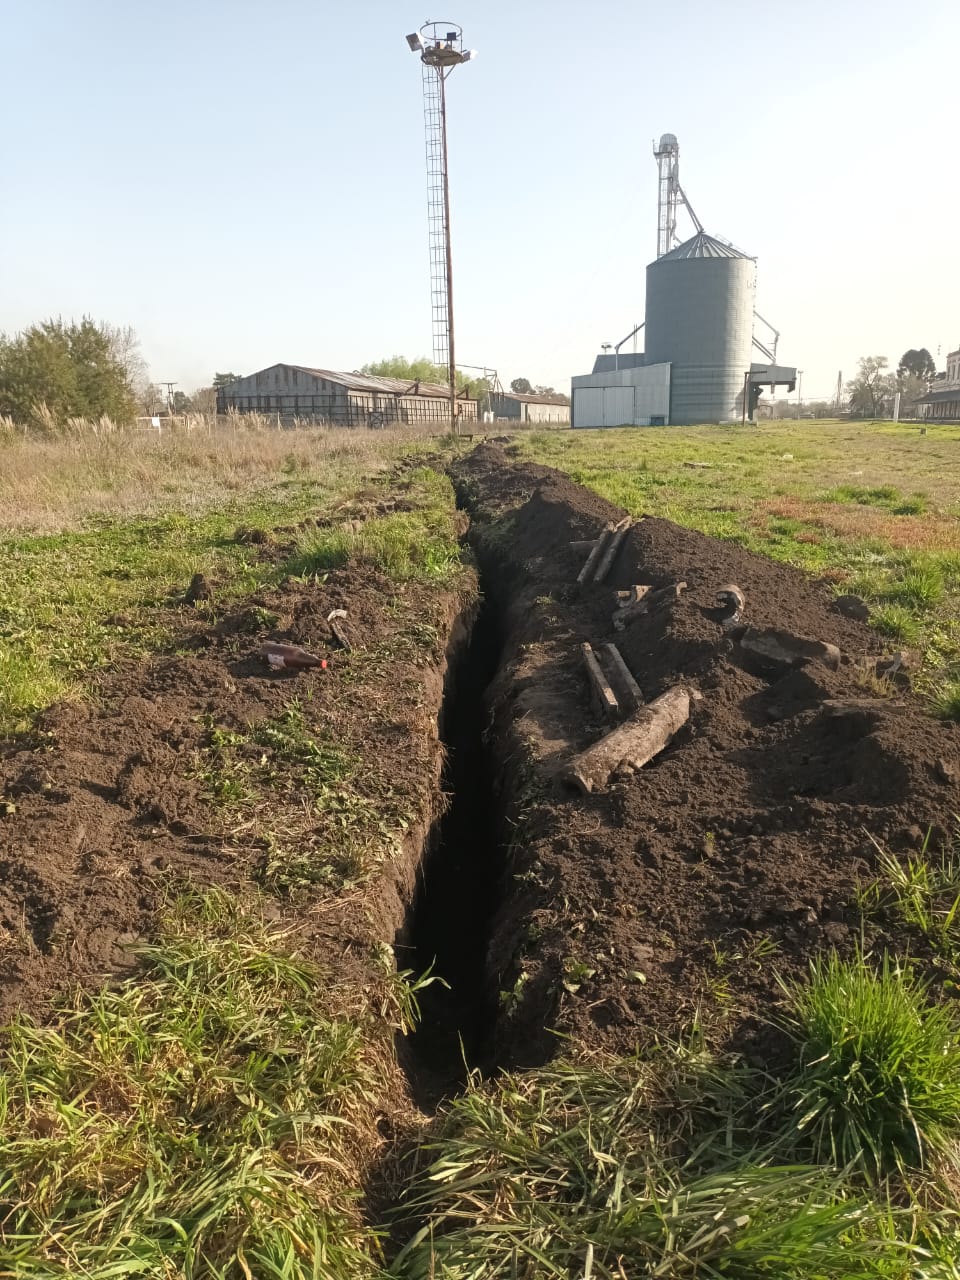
[
  {"x": 529, "y": 408},
  {"x": 942, "y": 401}
]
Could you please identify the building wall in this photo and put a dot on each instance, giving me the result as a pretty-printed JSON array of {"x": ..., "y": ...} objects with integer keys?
[
  {"x": 507, "y": 406},
  {"x": 943, "y": 410},
  {"x": 294, "y": 393},
  {"x": 953, "y": 366},
  {"x": 638, "y": 397},
  {"x": 699, "y": 319}
]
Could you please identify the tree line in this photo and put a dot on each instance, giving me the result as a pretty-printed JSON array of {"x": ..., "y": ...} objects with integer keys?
[
  {"x": 870, "y": 394},
  {"x": 87, "y": 369}
]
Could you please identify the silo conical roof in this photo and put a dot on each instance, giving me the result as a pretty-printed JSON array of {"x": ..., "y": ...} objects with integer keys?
[{"x": 702, "y": 246}]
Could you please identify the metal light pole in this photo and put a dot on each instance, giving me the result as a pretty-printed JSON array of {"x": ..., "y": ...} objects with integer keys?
[
  {"x": 799, "y": 392},
  {"x": 440, "y": 45}
]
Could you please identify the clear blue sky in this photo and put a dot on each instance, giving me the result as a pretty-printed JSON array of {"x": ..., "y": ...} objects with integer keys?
[{"x": 243, "y": 182}]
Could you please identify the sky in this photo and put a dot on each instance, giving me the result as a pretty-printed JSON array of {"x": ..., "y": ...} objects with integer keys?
[{"x": 243, "y": 183}]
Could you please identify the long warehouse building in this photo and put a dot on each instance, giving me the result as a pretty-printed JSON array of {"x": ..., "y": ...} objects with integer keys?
[{"x": 294, "y": 391}]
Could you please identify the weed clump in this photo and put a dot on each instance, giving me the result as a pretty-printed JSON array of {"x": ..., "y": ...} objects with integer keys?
[
  {"x": 896, "y": 622},
  {"x": 946, "y": 701},
  {"x": 876, "y": 1083}
]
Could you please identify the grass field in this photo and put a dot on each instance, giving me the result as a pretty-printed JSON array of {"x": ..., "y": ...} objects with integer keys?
[
  {"x": 211, "y": 1116},
  {"x": 871, "y": 506},
  {"x": 101, "y": 534}
]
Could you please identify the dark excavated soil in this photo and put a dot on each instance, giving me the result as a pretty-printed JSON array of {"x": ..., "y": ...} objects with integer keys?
[
  {"x": 731, "y": 858},
  {"x": 105, "y": 805}
]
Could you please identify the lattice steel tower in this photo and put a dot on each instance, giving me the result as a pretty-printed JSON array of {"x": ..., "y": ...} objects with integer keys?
[{"x": 440, "y": 45}]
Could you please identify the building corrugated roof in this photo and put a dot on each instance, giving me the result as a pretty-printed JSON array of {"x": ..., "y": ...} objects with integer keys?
[
  {"x": 367, "y": 382},
  {"x": 702, "y": 246}
]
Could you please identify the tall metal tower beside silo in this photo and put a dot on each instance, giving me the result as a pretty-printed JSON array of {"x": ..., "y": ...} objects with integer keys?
[
  {"x": 440, "y": 45},
  {"x": 670, "y": 194}
]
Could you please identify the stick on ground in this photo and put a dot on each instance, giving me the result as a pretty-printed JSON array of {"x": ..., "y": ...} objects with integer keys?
[{"x": 603, "y": 695}]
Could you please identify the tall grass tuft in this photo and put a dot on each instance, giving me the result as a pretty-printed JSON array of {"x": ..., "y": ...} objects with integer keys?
[
  {"x": 876, "y": 1081},
  {"x": 946, "y": 700}
]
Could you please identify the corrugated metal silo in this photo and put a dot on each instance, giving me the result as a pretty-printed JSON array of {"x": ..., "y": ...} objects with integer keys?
[{"x": 699, "y": 318}]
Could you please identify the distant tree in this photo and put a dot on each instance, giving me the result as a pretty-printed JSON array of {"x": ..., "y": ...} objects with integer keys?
[
  {"x": 221, "y": 379},
  {"x": 911, "y": 387},
  {"x": 820, "y": 409},
  {"x": 919, "y": 363},
  {"x": 125, "y": 346},
  {"x": 549, "y": 391},
  {"x": 424, "y": 370},
  {"x": 521, "y": 386},
  {"x": 419, "y": 370},
  {"x": 181, "y": 402},
  {"x": 76, "y": 370},
  {"x": 204, "y": 400},
  {"x": 871, "y": 392}
]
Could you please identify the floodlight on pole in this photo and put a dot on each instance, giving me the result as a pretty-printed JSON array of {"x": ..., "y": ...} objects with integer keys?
[{"x": 440, "y": 46}]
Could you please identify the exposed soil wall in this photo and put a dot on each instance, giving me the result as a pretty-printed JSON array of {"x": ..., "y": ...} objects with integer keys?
[{"x": 734, "y": 856}]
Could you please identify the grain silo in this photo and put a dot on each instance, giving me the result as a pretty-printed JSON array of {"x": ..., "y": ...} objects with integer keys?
[
  {"x": 699, "y": 320},
  {"x": 698, "y": 363}
]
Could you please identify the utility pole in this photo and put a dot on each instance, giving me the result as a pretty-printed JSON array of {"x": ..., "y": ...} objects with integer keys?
[
  {"x": 169, "y": 386},
  {"x": 799, "y": 393}
]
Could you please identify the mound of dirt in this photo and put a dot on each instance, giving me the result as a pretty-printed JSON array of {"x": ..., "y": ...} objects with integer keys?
[
  {"x": 735, "y": 854},
  {"x": 115, "y": 795}
]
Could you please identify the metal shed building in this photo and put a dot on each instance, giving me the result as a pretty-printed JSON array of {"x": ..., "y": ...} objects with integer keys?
[
  {"x": 293, "y": 391},
  {"x": 530, "y": 408}
]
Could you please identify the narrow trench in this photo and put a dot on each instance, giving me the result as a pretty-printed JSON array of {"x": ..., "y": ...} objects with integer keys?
[{"x": 458, "y": 888}]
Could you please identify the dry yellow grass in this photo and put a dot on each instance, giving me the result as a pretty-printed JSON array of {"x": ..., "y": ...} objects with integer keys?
[{"x": 52, "y": 483}]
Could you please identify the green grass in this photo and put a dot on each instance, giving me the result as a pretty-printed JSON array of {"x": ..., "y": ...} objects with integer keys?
[
  {"x": 876, "y": 1082},
  {"x": 73, "y": 602},
  {"x": 205, "y": 1119},
  {"x": 403, "y": 545},
  {"x": 885, "y": 495},
  {"x": 627, "y": 1168},
  {"x": 320, "y": 817},
  {"x": 870, "y": 506},
  {"x": 946, "y": 700},
  {"x": 922, "y": 892},
  {"x": 80, "y": 600},
  {"x": 897, "y": 623}
]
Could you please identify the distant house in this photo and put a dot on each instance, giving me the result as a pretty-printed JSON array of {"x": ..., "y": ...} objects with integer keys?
[
  {"x": 942, "y": 401},
  {"x": 293, "y": 391},
  {"x": 530, "y": 408}
]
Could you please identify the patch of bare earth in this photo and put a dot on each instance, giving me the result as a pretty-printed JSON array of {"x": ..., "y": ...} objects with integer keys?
[{"x": 318, "y": 786}]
